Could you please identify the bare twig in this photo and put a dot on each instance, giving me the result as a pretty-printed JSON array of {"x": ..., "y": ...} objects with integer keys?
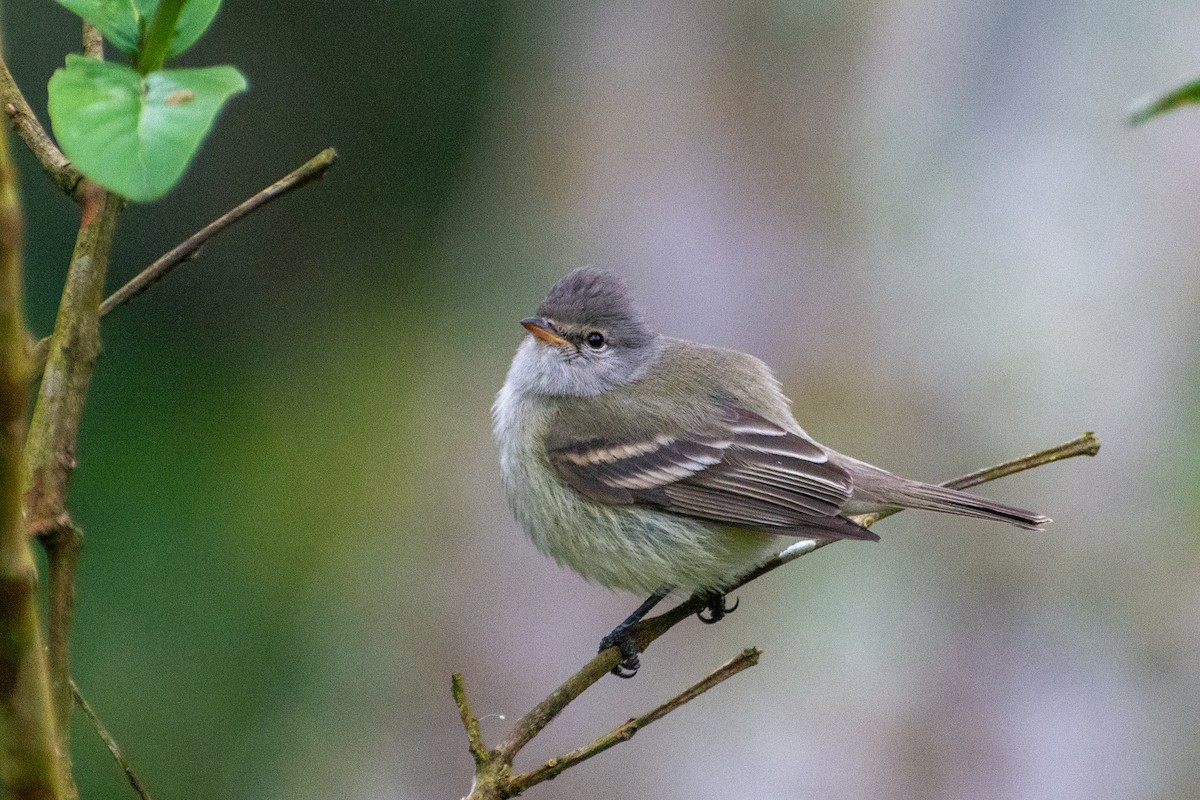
[
  {"x": 623, "y": 733},
  {"x": 492, "y": 780},
  {"x": 56, "y": 165},
  {"x": 113, "y": 748},
  {"x": 185, "y": 250},
  {"x": 540, "y": 715},
  {"x": 743, "y": 660},
  {"x": 470, "y": 722}
]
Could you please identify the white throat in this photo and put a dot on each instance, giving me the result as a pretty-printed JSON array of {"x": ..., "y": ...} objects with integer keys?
[{"x": 542, "y": 370}]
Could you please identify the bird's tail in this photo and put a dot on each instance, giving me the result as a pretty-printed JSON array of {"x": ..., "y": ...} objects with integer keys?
[
  {"x": 886, "y": 489},
  {"x": 925, "y": 496}
]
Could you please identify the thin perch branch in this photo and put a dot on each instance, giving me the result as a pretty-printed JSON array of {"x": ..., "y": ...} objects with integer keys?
[
  {"x": 623, "y": 733},
  {"x": 540, "y": 715}
]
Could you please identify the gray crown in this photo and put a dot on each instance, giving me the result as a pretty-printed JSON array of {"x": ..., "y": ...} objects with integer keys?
[{"x": 590, "y": 297}]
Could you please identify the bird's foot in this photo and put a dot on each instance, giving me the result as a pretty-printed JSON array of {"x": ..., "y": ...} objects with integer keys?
[
  {"x": 714, "y": 604},
  {"x": 621, "y": 638}
]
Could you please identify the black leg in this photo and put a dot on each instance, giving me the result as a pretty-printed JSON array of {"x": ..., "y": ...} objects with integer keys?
[
  {"x": 620, "y": 636},
  {"x": 714, "y": 604}
]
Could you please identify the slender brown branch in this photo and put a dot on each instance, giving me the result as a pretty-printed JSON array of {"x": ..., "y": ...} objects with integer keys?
[
  {"x": 56, "y": 165},
  {"x": 1086, "y": 444},
  {"x": 50, "y": 451},
  {"x": 490, "y": 782},
  {"x": 470, "y": 722},
  {"x": 623, "y": 733},
  {"x": 601, "y": 664},
  {"x": 540, "y": 715},
  {"x": 493, "y": 772},
  {"x": 54, "y": 429},
  {"x": 186, "y": 250},
  {"x": 110, "y": 742},
  {"x": 743, "y": 660}
]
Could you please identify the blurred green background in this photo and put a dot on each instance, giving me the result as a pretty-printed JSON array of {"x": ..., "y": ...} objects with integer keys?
[{"x": 929, "y": 217}]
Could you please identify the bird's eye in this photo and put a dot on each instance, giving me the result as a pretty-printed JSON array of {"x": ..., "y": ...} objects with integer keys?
[{"x": 595, "y": 340}]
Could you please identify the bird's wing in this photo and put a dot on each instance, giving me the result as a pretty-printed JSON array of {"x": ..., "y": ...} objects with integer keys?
[{"x": 740, "y": 470}]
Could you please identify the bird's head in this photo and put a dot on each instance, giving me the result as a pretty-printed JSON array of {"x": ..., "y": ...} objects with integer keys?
[{"x": 587, "y": 337}]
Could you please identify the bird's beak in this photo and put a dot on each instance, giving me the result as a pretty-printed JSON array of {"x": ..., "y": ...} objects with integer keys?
[{"x": 543, "y": 331}]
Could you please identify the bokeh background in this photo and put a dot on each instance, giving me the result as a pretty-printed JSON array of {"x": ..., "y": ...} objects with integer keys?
[{"x": 930, "y": 217}]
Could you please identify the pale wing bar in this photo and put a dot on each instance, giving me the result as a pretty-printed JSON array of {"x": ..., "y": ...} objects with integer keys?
[
  {"x": 618, "y": 473},
  {"x": 746, "y": 471}
]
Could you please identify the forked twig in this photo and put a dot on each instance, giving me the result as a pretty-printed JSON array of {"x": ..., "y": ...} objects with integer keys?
[{"x": 623, "y": 733}]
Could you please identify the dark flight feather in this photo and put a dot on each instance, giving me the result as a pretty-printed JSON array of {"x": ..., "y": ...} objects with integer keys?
[{"x": 741, "y": 470}]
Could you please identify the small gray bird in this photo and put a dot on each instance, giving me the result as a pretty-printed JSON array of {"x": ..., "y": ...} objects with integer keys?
[{"x": 661, "y": 466}]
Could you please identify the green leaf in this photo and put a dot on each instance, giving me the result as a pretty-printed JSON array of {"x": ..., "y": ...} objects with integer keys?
[
  {"x": 116, "y": 19},
  {"x": 121, "y": 20},
  {"x": 132, "y": 134},
  {"x": 193, "y": 22},
  {"x": 1152, "y": 107}
]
